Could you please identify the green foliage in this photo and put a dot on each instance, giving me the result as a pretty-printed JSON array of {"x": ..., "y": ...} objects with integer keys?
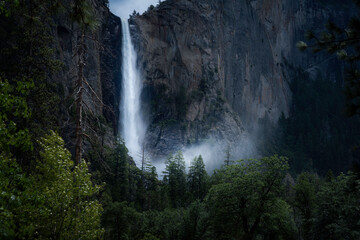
[
  {"x": 118, "y": 180},
  {"x": 246, "y": 201},
  {"x": 128, "y": 191},
  {"x": 27, "y": 61},
  {"x": 153, "y": 190},
  {"x": 182, "y": 224},
  {"x": 195, "y": 223},
  {"x": 82, "y": 13},
  {"x": 304, "y": 202},
  {"x": 127, "y": 223},
  {"x": 55, "y": 202},
  {"x": 247, "y": 197},
  {"x": 175, "y": 178},
  {"x": 12, "y": 196},
  {"x": 44, "y": 198},
  {"x": 7, "y": 6},
  {"x": 68, "y": 210},
  {"x": 338, "y": 215},
  {"x": 121, "y": 221},
  {"x": 328, "y": 208},
  {"x": 198, "y": 178},
  {"x": 149, "y": 236},
  {"x": 13, "y": 110},
  {"x": 165, "y": 224}
]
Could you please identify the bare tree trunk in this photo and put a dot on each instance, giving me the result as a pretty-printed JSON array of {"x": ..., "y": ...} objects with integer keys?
[
  {"x": 143, "y": 159},
  {"x": 227, "y": 156},
  {"x": 79, "y": 100}
]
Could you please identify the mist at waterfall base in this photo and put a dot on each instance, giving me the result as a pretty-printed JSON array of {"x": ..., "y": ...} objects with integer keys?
[
  {"x": 131, "y": 121},
  {"x": 213, "y": 152}
]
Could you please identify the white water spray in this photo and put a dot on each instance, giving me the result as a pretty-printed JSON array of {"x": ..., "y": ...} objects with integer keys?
[{"x": 131, "y": 122}]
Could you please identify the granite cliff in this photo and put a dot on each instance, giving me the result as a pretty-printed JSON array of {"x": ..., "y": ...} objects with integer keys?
[{"x": 213, "y": 69}]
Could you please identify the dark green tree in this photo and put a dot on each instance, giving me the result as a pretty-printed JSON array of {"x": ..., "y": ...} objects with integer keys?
[
  {"x": 198, "y": 178},
  {"x": 118, "y": 179},
  {"x": 49, "y": 204},
  {"x": 175, "y": 178},
  {"x": 13, "y": 109},
  {"x": 304, "y": 202},
  {"x": 195, "y": 223},
  {"x": 338, "y": 215},
  {"x": 153, "y": 188},
  {"x": 122, "y": 222},
  {"x": 247, "y": 200}
]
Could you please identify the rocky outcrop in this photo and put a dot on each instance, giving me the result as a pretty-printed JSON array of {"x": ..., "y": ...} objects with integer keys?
[
  {"x": 102, "y": 73},
  {"x": 213, "y": 68}
]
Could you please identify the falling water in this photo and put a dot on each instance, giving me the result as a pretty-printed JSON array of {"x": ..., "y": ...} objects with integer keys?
[{"x": 132, "y": 125}]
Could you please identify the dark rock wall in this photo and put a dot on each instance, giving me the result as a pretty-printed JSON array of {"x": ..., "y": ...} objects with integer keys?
[
  {"x": 102, "y": 72},
  {"x": 213, "y": 68},
  {"x": 180, "y": 51},
  {"x": 111, "y": 62},
  {"x": 287, "y": 22}
]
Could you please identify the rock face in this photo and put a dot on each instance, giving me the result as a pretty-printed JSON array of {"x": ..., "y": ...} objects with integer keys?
[
  {"x": 102, "y": 73},
  {"x": 214, "y": 68}
]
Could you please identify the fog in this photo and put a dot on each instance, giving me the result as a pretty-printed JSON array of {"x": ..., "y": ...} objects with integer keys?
[{"x": 213, "y": 153}]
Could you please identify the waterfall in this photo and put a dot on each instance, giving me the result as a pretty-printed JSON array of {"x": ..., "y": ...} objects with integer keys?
[{"x": 131, "y": 121}]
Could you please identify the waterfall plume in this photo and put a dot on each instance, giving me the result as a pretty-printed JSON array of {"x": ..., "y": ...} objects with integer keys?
[{"x": 131, "y": 121}]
